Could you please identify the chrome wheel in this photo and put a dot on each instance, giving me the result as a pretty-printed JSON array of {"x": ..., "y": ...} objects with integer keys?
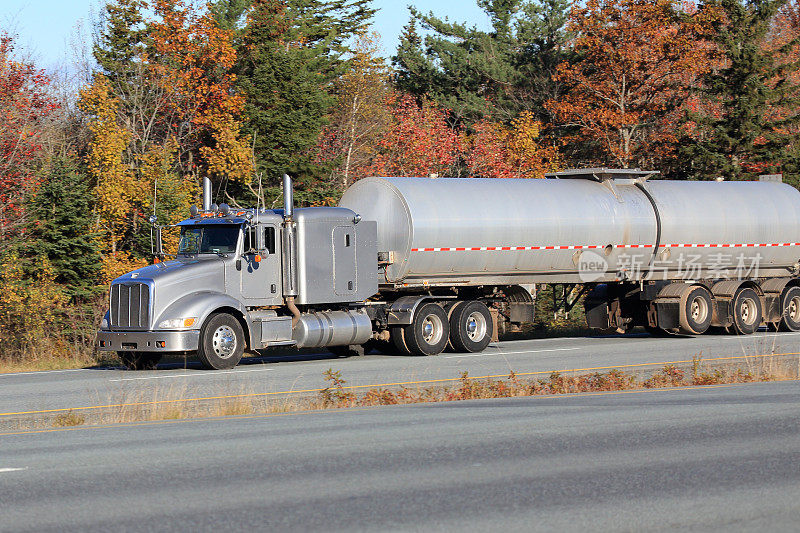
[
  {"x": 476, "y": 326},
  {"x": 432, "y": 329},
  {"x": 224, "y": 341}
]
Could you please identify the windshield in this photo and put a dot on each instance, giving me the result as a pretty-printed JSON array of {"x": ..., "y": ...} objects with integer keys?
[{"x": 216, "y": 239}]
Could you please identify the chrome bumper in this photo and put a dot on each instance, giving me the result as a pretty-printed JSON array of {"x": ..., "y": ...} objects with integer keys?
[{"x": 148, "y": 341}]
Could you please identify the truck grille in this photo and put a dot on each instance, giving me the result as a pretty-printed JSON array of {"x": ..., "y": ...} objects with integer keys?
[{"x": 130, "y": 306}]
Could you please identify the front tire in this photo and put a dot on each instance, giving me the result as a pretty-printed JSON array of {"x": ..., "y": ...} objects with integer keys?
[
  {"x": 140, "y": 360},
  {"x": 470, "y": 327},
  {"x": 221, "y": 342}
]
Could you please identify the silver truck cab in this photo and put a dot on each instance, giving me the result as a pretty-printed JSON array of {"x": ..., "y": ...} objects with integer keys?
[{"x": 236, "y": 284}]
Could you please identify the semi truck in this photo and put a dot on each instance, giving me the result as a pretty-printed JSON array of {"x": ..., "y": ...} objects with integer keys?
[{"x": 423, "y": 264}]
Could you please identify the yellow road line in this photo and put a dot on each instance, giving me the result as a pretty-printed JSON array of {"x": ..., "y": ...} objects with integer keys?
[{"x": 395, "y": 384}]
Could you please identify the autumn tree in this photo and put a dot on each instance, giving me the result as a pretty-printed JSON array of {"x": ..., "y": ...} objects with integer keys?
[
  {"x": 495, "y": 150},
  {"x": 634, "y": 60},
  {"x": 752, "y": 98},
  {"x": 163, "y": 112},
  {"x": 418, "y": 141},
  {"x": 25, "y": 106},
  {"x": 361, "y": 114},
  {"x": 193, "y": 59}
]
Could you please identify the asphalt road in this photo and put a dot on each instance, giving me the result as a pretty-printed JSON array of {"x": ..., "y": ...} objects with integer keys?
[
  {"x": 702, "y": 459},
  {"x": 36, "y": 391}
]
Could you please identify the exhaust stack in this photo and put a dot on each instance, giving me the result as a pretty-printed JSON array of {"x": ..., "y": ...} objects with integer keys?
[
  {"x": 288, "y": 198},
  {"x": 206, "y": 195},
  {"x": 289, "y": 246}
]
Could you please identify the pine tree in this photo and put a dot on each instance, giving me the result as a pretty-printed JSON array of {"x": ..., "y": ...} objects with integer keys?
[
  {"x": 61, "y": 229},
  {"x": 478, "y": 74},
  {"x": 290, "y": 52},
  {"x": 121, "y": 39},
  {"x": 229, "y": 14},
  {"x": 751, "y": 98}
]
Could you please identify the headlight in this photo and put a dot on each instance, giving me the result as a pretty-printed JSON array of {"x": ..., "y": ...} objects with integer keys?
[{"x": 178, "y": 323}]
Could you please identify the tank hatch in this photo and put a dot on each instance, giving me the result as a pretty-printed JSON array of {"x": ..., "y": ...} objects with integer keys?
[{"x": 604, "y": 174}]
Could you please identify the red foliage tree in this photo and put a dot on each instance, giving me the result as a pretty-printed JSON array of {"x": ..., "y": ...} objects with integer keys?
[
  {"x": 418, "y": 142},
  {"x": 24, "y": 106}
]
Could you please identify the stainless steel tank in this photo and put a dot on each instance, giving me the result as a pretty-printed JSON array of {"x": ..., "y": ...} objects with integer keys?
[{"x": 450, "y": 231}]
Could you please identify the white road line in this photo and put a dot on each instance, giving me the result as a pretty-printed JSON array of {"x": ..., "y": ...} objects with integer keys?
[
  {"x": 514, "y": 353},
  {"x": 3, "y": 470},
  {"x": 195, "y": 375},
  {"x": 41, "y": 372}
]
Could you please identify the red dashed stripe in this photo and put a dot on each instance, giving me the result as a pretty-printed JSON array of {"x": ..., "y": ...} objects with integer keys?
[{"x": 598, "y": 247}]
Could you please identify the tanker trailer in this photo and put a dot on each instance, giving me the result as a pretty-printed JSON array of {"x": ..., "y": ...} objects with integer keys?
[
  {"x": 672, "y": 256},
  {"x": 427, "y": 263}
]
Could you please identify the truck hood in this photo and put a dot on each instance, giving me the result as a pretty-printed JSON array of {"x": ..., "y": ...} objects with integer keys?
[{"x": 190, "y": 273}]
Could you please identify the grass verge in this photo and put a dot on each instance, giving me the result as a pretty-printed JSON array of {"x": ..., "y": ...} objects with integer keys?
[{"x": 172, "y": 404}]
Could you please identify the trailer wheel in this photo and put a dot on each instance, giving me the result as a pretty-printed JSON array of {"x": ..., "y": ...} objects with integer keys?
[
  {"x": 470, "y": 327},
  {"x": 221, "y": 342},
  {"x": 139, "y": 360},
  {"x": 695, "y": 310},
  {"x": 746, "y": 311},
  {"x": 429, "y": 331},
  {"x": 790, "y": 307}
]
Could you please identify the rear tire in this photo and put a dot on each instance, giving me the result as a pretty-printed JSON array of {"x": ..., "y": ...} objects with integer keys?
[
  {"x": 696, "y": 307},
  {"x": 140, "y": 360},
  {"x": 470, "y": 327},
  {"x": 399, "y": 342},
  {"x": 790, "y": 310},
  {"x": 221, "y": 342},
  {"x": 747, "y": 311},
  {"x": 429, "y": 331}
]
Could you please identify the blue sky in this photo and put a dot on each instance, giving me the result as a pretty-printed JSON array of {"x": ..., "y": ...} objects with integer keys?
[{"x": 45, "y": 27}]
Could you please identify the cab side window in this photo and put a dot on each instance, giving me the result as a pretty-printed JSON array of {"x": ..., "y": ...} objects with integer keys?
[{"x": 269, "y": 239}]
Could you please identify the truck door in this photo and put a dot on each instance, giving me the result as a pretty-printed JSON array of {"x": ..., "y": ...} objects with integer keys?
[{"x": 261, "y": 279}]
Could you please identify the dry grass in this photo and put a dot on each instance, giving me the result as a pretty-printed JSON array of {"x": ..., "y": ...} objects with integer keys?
[
  {"x": 173, "y": 403},
  {"x": 47, "y": 362}
]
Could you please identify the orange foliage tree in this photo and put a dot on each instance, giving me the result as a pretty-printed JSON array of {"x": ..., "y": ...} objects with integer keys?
[
  {"x": 193, "y": 60},
  {"x": 635, "y": 60},
  {"x": 516, "y": 151},
  {"x": 162, "y": 118}
]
